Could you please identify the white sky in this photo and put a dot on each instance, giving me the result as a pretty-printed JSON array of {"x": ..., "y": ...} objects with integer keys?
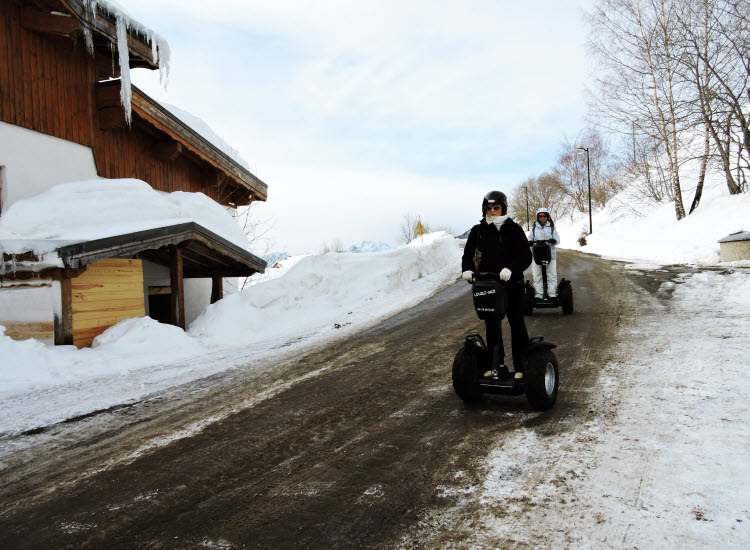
[{"x": 355, "y": 113}]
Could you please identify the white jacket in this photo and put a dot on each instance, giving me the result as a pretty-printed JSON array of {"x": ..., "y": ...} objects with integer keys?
[{"x": 541, "y": 232}]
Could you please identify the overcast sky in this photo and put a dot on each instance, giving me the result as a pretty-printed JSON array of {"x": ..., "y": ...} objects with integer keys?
[{"x": 355, "y": 113}]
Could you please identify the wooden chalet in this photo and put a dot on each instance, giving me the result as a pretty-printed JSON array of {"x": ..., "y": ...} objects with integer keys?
[{"x": 52, "y": 85}]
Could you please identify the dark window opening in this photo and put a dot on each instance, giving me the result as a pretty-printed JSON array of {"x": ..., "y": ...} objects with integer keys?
[{"x": 159, "y": 307}]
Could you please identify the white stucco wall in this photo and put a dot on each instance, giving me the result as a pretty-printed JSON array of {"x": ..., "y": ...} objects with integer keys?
[
  {"x": 33, "y": 162},
  {"x": 197, "y": 298},
  {"x": 20, "y": 303}
]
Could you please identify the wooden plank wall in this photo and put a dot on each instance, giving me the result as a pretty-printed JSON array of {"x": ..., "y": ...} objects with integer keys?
[
  {"x": 46, "y": 82},
  {"x": 109, "y": 291},
  {"x": 126, "y": 153}
]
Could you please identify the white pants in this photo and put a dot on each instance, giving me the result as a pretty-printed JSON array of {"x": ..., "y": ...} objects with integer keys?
[{"x": 551, "y": 279}]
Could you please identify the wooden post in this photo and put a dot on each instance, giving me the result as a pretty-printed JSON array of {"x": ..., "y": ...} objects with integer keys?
[
  {"x": 178, "y": 287},
  {"x": 64, "y": 324},
  {"x": 217, "y": 289}
]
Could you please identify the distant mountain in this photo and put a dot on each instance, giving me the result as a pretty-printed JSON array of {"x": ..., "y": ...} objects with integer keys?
[
  {"x": 370, "y": 246},
  {"x": 464, "y": 235}
]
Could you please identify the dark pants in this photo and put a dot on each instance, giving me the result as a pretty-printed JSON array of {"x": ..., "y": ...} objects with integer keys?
[{"x": 519, "y": 338}]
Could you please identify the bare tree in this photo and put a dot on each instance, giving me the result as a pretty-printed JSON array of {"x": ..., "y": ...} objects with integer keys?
[
  {"x": 335, "y": 246},
  {"x": 572, "y": 174},
  {"x": 638, "y": 83},
  {"x": 716, "y": 61},
  {"x": 408, "y": 226},
  {"x": 544, "y": 190}
]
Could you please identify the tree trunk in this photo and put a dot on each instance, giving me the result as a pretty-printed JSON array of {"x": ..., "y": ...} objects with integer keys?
[{"x": 702, "y": 175}]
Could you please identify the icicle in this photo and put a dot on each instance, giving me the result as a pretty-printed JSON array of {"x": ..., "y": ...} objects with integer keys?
[
  {"x": 164, "y": 56},
  {"x": 124, "y": 56},
  {"x": 88, "y": 39},
  {"x": 160, "y": 52}
]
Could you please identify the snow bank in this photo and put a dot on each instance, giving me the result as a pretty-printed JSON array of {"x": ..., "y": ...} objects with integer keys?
[
  {"x": 85, "y": 210},
  {"x": 313, "y": 299},
  {"x": 628, "y": 231},
  {"x": 326, "y": 290},
  {"x": 128, "y": 346}
]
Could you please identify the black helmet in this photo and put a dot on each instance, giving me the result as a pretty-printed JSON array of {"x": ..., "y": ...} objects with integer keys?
[{"x": 495, "y": 197}]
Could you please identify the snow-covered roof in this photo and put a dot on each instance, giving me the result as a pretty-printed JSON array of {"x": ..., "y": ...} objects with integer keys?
[
  {"x": 82, "y": 211},
  {"x": 738, "y": 236},
  {"x": 205, "y": 131}
]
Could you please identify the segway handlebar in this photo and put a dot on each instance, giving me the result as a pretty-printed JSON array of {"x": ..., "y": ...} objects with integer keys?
[{"x": 487, "y": 276}]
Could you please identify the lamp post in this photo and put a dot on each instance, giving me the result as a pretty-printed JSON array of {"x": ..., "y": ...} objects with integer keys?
[
  {"x": 526, "y": 188},
  {"x": 588, "y": 172}
]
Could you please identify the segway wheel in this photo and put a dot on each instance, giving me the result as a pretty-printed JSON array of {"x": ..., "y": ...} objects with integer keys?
[
  {"x": 542, "y": 379},
  {"x": 464, "y": 383},
  {"x": 566, "y": 299},
  {"x": 528, "y": 300}
]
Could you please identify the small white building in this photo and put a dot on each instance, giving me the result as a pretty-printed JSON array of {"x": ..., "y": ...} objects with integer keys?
[{"x": 735, "y": 247}]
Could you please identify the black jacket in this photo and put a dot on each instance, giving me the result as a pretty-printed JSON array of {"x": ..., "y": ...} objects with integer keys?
[{"x": 488, "y": 249}]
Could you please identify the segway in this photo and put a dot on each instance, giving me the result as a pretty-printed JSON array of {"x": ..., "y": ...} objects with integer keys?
[
  {"x": 540, "y": 377},
  {"x": 543, "y": 256}
]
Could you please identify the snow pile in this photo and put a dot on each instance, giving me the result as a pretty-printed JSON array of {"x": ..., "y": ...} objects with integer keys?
[
  {"x": 370, "y": 246},
  {"x": 275, "y": 270},
  {"x": 127, "y": 347},
  {"x": 81, "y": 211},
  {"x": 629, "y": 231},
  {"x": 329, "y": 291},
  {"x": 313, "y": 299}
]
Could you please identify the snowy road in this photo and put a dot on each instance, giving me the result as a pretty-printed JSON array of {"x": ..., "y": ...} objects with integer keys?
[{"x": 362, "y": 444}]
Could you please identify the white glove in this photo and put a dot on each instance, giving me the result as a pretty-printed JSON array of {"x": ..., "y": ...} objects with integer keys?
[
  {"x": 505, "y": 274},
  {"x": 468, "y": 276}
]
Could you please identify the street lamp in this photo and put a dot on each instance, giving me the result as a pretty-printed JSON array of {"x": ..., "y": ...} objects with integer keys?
[
  {"x": 588, "y": 172},
  {"x": 526, "y": 188}
]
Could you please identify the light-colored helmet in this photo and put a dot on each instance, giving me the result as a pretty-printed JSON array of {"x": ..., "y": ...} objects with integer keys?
[{"x": 542, "y": 209}]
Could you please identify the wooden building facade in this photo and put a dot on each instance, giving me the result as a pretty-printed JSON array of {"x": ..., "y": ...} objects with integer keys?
[
  {"x": 57, "y": 64},
  {"x": 51, "y": 83}
]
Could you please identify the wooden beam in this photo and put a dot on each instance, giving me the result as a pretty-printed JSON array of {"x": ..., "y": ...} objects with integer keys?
[
  {"x": 108, "y": 96},
  {"x": 217, "y": 289},
  {"x": 167, "y": 150},
  {"x": 47, "y": 22},
  {"x": 156, "y": 290},
  {"x": 111, "y": 117},
  {"x": 63, "y": 325},
  {"x": 106, "y": 67},
  {"x": 238, "y": 271},
  {"x": 178, "y": 287}
]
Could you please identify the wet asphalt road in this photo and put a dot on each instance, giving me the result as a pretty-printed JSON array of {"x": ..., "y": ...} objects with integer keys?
[{"x": 351, "y": 457}]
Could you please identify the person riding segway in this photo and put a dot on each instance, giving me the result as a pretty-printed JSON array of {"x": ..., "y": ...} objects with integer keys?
[
  {"x": 545, "y": 292},
  {"x": 495, "y": 257},
  {"x": 544, "y": 229}
]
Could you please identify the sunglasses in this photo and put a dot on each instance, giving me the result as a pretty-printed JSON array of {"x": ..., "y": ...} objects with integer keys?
[
  {"x": 494, "y": 207},
  {"x": 541, "y": 215}
]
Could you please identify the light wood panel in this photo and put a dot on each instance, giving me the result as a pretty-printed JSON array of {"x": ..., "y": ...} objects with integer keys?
[{"x": 109, "y": 291}]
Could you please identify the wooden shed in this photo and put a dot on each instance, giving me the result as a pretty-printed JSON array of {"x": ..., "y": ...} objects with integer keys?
[{"x": 102, "y": 281}]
